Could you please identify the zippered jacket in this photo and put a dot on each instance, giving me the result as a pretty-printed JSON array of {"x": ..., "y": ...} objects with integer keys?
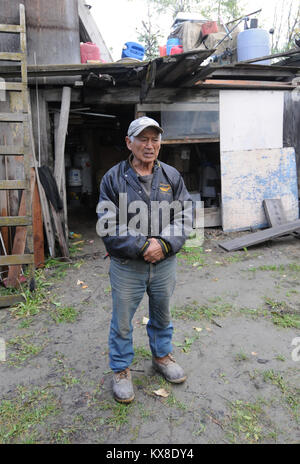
[{"x": 120, "y": 239}]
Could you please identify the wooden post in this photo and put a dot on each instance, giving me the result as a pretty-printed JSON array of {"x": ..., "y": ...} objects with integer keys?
[
  {"x": 60, "y": 142},
  {"x": 38, "y": 231}
]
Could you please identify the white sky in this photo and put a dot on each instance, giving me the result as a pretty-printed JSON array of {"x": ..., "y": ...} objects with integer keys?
[{"x": 118, "y": 19}]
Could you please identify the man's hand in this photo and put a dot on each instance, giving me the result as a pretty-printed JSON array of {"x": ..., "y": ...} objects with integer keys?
[{"x": 154, "y": 252}]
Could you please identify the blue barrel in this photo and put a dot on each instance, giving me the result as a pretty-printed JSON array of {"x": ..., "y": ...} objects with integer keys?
[
  {"x": 133, "y": 50},
  {"x": 253, "y": 43},
  {"x": 172, "y": 43}
]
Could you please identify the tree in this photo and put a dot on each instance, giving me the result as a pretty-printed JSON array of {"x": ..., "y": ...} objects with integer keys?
[
  {"x": 286, "y": 25},
  {"x": 227, "y": 9},
  {"x": 149, "y": 35}
]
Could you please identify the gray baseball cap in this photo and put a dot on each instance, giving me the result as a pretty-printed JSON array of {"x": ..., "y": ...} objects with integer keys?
[{"x": 138, "y": 125}]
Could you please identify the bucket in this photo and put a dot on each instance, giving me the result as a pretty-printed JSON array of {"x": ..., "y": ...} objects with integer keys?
[
  {"x": 163, "y": 50},
  {"x": 176, "y": 50},
  {"x": 133, "y": 50},
  {"x": 172, "y": 43},
  {"x": 74, "y": 178}
]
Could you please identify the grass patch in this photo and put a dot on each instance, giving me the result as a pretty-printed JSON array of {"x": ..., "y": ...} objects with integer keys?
[
  {"x": 64, "y": 314},
  {"x": 196, "y": 312},
  {"x": 187, "y": 344},
  {"x": 141, "y": 354},
  {"x": 241, "y": 356},
  {"x": 21, "y": 416},
  {"x": 24, "y": 350},
  {"x": 245, "y": 422},
  {"x": 192, "y": 256},
  {"x": 291, "y": 395}
]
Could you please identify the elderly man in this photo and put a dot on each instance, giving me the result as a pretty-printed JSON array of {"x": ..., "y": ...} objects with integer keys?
[{"x": 142, "y": 259}]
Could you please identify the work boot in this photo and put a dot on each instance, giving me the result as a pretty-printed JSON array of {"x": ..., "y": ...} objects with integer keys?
[
  {"x": 122, "y": 386},
  {"x": 168, "y": 367}
]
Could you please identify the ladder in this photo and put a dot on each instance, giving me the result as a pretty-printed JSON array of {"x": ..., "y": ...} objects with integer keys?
[{"x": 24, "y": 150}]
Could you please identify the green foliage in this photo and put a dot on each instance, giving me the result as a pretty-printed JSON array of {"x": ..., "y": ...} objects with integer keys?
[{"x": 149, "y": 34}]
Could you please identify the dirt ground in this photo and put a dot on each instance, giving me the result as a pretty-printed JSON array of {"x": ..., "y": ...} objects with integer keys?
[{"x": 235, "y": 316}]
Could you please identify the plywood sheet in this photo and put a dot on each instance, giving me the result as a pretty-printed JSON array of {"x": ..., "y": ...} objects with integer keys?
[
  {"x": 251, "y": 119},
  {"x": 249, "y": 178}
]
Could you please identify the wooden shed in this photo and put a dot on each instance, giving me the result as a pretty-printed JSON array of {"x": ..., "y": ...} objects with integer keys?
[{"x": 225, "y": 127}]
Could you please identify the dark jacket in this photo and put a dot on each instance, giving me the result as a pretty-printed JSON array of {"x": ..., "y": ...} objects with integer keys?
[{"x": 167, "y": 185}]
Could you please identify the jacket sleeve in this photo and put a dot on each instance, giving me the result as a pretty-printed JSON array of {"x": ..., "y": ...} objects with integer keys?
[
  {"x": 118, "y": 241},
  {"x": 181, "y": 225}
]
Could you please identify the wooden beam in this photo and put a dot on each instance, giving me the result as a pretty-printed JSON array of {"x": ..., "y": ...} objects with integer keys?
[
  {"x": 13, "y": 185},
  {"x": 10, "y": 300},
  {"x": 190, "y": 140},
  {"x": 16, "y": 261},
  {"x": 38, "y": 230},
  {"x": 61, "y": 136},
  {"x": 235, "y": 83},
  {"x": 270, "y": 57},
  {"x": 260, "y": 237}
]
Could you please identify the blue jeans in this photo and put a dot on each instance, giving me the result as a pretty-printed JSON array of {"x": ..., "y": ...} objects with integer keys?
[{"x": 129, "y": 281}]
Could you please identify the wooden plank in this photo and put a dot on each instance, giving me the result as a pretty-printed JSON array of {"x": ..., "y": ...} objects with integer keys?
[
  {"x": 268, "y": 57},
  {"x": 212, "y": 217},
  {"x": 12, "y": 86},
  {"x": 10, "y": 28},
  {"x": 274, "y": 212},
  {"x": 16, "y": 260},
  {"x": 38, "y": 230},
  {"x": 189, "y": 140},
  {"x": 20, "y": 238},
  {"x": 13, "y": 185},
  {"x": 260, "y": 237},
  {"x": 10, "y": 300},
  {"x": 13, "y": 221},
  {"x": 11, "y": 150},
  {"x": 4, "y": 56},
  {"x": 61, "y": 136},
  {"x": 13, "y": 117},
  {"x": 60, "y": 233}
]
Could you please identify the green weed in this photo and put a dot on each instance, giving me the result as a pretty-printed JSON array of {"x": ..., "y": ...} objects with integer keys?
[
  {"x": 23, "y": 349},
  {"x": 64, "y": 314},
  {"x": 20, "y": 416}
]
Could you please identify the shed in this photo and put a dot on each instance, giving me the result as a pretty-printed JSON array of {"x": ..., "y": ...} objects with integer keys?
[{"x": 225, "y": 125}]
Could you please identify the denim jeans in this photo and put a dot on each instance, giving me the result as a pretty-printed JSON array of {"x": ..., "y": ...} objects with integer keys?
[{"x": 130, "y": 279}]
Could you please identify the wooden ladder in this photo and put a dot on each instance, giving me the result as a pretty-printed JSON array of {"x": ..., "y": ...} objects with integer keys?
[{"x": 25, "y": 217}]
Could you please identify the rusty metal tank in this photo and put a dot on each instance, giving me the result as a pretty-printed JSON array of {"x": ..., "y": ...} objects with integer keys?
[{"x": 52, "y": 30}]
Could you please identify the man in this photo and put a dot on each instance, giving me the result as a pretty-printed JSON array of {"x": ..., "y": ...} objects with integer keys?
[{"x": 142, "y": 259}]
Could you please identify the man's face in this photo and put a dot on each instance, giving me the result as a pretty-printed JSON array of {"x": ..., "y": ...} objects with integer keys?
[{"x": 145, "y": 147}]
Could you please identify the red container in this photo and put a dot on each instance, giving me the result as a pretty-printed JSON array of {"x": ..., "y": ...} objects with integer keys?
[
  {"x": 211, "y": 27},
  {"x": 176, "y": 50},
  {"x": 89, "y": 52},
  {"x": 163, "y": 50}
]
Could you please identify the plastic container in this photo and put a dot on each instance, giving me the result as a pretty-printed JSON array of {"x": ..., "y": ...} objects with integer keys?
[
  {"x": 210, "y": 27},
  {"x": 253, "y": 43},
  {"x": 172, "y": 43},
  {"x": 133, "y": 50},
  {"x": 163, "y": 50},
  {"x": 74, "y": 178},
  {"x": 89, "y": 52},
  {"x": 176, "y": 50}
]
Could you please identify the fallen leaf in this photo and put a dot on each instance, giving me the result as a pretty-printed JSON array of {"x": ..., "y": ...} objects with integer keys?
[
  {"x": 161, "y": 392},
  {"x": 208, "y": 251},
  {"x": 208, "y": 329},
  {"x": 253, "y": 353},
  {"x": 79, "y": 282},
  {"x": 77, "y": 243},
  {"x": 215, "y": 280},
  {"x": 198, "y": 329},
  {"x": 145, "y": 321},
  {"x": 85, "y": 286},
  {"x": 196, "y": 264}
]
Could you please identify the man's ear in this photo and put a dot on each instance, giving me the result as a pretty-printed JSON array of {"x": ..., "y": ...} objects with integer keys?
[{"x": 128, "y": 143}]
